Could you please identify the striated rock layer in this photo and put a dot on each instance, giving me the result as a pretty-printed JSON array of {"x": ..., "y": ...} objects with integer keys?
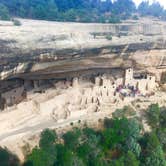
[{"x": 39, "y": 50}]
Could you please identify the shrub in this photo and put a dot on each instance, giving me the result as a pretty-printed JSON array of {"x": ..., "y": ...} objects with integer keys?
[
  {"x": 4, "y": 13},
  {"x": 71, "y": 123},
  {"x": 156, "y": 158},
  {"x": 163, "y": 118},
  {"x": 71, "y": 138},
  {"x": 47, "y": 139},
  {"x": 161, "y": 133},
  {"x": 79, "y": 121},
  {"x": 153, "y": 115},
  {"x": 114, "y": 20},
  {"x": 130, "y": 159},
  {"x": 7, "y": 158},
  {"x": 16, "y": 22},
  {"x": 125, "y": 112},
  {"x": 135, "y": 17},
  {"x": 109, "y": 37}
]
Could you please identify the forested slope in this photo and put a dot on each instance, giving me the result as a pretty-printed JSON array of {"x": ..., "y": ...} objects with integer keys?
[{"x": 78, "y": 10}]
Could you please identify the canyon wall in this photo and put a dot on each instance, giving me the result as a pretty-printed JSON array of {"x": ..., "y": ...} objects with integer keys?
[{"x": 42, "y": 50}]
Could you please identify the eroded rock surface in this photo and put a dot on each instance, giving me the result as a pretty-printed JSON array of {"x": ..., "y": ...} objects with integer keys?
[
  {"x": 42, "y": 50},
  {"x": 43, "y": 63}
]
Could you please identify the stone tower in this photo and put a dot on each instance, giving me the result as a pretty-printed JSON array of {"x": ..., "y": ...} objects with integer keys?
[{"x": 129, "y": 76}]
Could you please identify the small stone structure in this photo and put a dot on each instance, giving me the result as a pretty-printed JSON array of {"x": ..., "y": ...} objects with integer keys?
[
  {"x": 145, "y": 83},
  {"x": 75, "y": 82},
  {"x": 97, "y": 81},
  {"x": 14, "y": 96},
  {"x": 84, "y": 98}
]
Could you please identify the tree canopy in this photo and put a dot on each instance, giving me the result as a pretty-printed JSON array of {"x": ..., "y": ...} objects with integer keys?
[
  {"x": 7, "y": 158},
  {"x": 78, "y": 10},
  {"x": 120, "y": 143}
]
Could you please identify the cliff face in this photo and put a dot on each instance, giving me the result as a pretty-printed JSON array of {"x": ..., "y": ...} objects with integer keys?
[
  {"x": 50, "y": 50},
  {"x": 41, "y": 52}
]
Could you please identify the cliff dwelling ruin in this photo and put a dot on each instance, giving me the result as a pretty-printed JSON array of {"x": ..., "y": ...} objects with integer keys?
[
  {"x": 49, "y": 79},
  {"x": 80, "y": 94}
]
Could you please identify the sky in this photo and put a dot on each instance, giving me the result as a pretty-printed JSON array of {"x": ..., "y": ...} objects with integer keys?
[{"x": 162, "y": 2}]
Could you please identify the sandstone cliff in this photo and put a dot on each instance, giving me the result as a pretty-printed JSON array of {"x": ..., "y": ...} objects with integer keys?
[
  {"x": 41, "y": 51},
  {"x": 50, "y": 50}
]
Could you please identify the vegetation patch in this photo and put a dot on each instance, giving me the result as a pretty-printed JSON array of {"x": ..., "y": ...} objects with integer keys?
[
  {"x": 127, "y": 111},
  {"x": 16, "y": 22},
  {"x": 79, "y": 10},
  {"x": 109, "y": 37}
]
